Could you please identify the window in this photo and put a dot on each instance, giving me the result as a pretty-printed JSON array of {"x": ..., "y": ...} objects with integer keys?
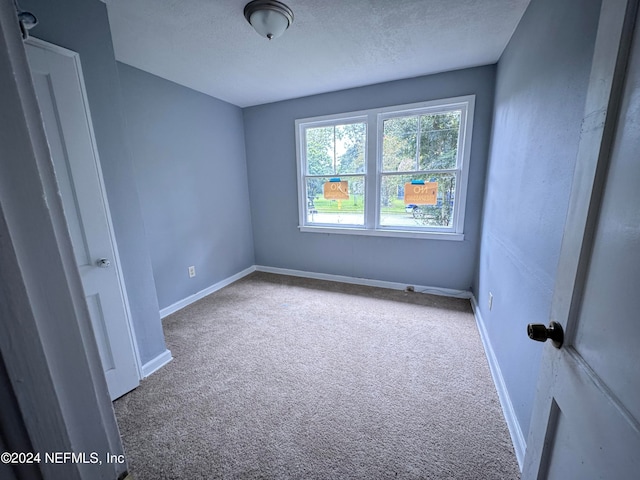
[{"x": 399, "y": 171}]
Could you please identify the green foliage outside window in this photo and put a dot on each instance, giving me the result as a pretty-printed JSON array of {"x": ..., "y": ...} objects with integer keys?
[
  {"x": 425, "y": 144},
  {"x": 334, "y": 151}
]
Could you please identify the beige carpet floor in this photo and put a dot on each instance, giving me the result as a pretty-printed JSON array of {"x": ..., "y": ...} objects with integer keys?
[{"x": 276, "y": 377}]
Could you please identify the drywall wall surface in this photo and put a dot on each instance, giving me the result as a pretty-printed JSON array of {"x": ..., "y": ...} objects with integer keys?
[
  {"x": 190, "y": 167},
  {"x": 83, "y": 26},
  {"x": 271, "y": 158},
  {"x": 540, "y": 93}
]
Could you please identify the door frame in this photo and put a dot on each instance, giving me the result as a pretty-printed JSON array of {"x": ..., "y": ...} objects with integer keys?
[
  {"x": 96, "y": 158},
  {"x": 53, "y": 367},
  {"x": 604, "y": 95}
]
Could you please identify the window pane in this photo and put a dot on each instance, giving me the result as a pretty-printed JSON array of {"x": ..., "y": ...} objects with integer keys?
[
  {"x": 399, "y": 144},
  {"x": 439, "y": 140},
  {"x": 394, "y": 212},
  {"x": 323, "y": 210},
  {"x": 350, "y": 145},
  {"x": 320, "y": 151}
]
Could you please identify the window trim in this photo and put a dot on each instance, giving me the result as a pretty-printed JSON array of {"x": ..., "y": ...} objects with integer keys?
[{"x": 373, "y": 173}]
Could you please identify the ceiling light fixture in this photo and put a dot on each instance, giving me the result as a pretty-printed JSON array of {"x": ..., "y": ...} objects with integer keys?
[{"x": 269, "y": 18}]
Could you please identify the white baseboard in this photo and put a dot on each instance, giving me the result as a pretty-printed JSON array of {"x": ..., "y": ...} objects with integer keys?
[
  {"x": 156, "y": 363},
  {"x": 447, "y": 292},
  {"x": 207, "y": 291},
  {"x": 517, "y": 438}
]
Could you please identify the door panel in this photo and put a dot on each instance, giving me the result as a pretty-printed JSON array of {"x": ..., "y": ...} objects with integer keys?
[
  {"x": 586, "y": 420},
  {"x": 592, "y": 433},
  {"x": 100, "y": 331},
  {"x": 57, "y": 78},
  {"x": 49, "y": 111},
  {"x": 609, "y": 331}
]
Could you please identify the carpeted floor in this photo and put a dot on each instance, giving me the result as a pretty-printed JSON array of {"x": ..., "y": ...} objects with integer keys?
[{"x": 277, "y": 377}]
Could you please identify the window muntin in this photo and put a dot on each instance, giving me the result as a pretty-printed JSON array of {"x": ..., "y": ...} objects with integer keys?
[{"x": 378, "y": 153}]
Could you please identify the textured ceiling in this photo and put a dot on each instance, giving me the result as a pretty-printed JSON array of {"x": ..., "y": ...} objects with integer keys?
[{"x": 208, "y": 45}]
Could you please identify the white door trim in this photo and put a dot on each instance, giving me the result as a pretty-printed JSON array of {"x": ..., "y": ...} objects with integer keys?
[
  {"x": 116, "y": 260},
  {"x": 61, "y": 392}
]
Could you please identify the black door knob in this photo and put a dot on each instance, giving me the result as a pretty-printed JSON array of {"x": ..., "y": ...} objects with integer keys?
[{"x": 540, "y": 333}]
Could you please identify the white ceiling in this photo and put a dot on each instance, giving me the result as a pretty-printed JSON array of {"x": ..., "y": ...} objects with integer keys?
[{"x": 208, "y": 45}]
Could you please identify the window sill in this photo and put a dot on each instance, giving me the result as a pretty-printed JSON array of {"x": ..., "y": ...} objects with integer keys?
[{"x": 449, "y": 236}]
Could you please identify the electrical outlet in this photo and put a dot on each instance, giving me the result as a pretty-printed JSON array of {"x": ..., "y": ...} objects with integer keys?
[
  {"x": 192, "y": 271},
  {"x": 490, "y": 301}
]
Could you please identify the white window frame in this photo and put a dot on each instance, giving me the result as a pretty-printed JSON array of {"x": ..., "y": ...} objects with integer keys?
[{"x": 374, "y": 118}]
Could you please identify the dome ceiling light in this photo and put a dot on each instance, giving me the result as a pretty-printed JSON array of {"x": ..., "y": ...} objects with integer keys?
[{"x": 269, "y": 18}]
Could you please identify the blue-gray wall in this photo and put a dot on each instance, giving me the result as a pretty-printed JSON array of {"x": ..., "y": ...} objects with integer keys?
[
  {"x": 540, "y": 92},
  {"x": 271, "y": 158},
  {"x": 83, "y": 26},
  {"x": 191, "y": 172}
]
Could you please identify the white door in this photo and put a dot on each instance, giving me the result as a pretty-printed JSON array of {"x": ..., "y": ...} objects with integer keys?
[
  {"x": 586, "y": 419},
  {"x": 59, "y": 86}
]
